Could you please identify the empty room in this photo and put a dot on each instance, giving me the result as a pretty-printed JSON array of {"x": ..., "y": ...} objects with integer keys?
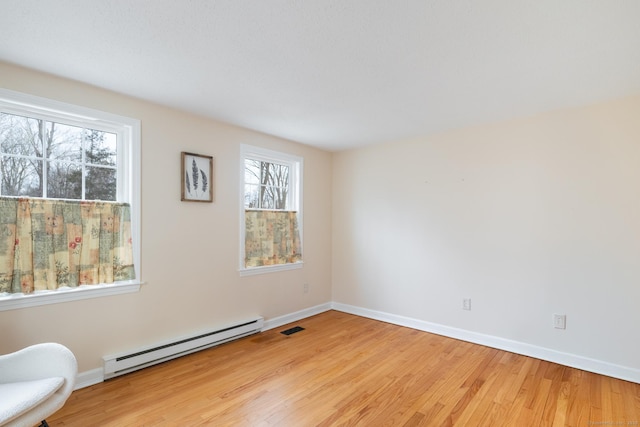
[{"x": 327, "y": 212}]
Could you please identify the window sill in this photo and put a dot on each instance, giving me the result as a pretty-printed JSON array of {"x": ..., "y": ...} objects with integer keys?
[
  {"x": 252, "y": 271},
  {"x": 15, "y": 301}
]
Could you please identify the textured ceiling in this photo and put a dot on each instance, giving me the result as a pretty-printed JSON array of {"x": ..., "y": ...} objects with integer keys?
[{"x": 337, "y": 73}]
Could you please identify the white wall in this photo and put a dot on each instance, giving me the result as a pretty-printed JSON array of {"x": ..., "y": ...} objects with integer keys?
[
  {"x": 189, "y": 250},
  {"x": 527, "y": 218}
]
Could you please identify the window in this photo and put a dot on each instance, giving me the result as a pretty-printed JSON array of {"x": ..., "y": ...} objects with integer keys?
[
  {"x": 57, "y": 154},
  {"x": 271, "y": 211}
]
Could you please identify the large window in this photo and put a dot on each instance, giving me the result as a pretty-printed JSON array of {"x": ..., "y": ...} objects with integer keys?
[
  {"x": 271, "y": 220},
  {"x": 58, "y": 161}
]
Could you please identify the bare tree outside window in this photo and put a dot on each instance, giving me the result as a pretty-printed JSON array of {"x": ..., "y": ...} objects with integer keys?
[
  {"x": 100, "y": 181},
  {"x": 41, "y": 158},
  {"x": 266, "y": 185},
  {"x": 20, "y": 142}
]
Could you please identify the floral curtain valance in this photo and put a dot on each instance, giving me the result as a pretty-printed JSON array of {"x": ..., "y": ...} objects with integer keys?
[
  {"x": 271, "y": 238},
  {"x": 47, "y": 244}
]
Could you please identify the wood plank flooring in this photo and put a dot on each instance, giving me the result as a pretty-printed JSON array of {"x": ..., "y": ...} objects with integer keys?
[{"x": 345, "y": 370}]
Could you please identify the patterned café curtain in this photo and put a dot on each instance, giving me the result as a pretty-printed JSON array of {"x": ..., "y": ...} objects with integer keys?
[
  {"x": 271, "y": 237},
  {"x": 46, "y": 244}
]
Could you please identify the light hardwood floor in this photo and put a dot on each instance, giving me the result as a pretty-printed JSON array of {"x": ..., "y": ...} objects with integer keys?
[{"x": 348, "y": 370}]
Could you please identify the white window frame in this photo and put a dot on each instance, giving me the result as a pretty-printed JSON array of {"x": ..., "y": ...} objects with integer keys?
[
  {"x": 296, "y": 167},
  {"x": 128, "y": 191}
]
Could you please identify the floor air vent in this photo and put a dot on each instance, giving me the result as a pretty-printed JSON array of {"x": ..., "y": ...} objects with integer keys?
[
  {"x": 124, "y": 363},
  {"x": 292, "y": 330}
]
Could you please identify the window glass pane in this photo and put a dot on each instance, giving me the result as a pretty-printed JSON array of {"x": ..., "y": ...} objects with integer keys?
[
  {"x": 252, "y": 171},
  {"x": 64, "y": 180},
  {"x": 267, "y": 198},
  {"x": 101, "y": 147},
  {"x": 100, "y": 183},
  {"x": 279, "y": 175},
  {"x": 21, "y": 177},
  {"x": 64, "y": 142},
  {"x": 251, "y": 196},
  {"x": 266, "y": 173},
  {"x": 280, "y": 197},
  {"x": 21, "y": 135}
]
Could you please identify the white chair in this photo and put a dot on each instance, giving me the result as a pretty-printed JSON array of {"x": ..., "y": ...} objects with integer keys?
[{"x": 34, "y": 383}]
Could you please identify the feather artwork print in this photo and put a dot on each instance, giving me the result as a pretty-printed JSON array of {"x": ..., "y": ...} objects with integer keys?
[
  {"x": 204, "y": 181},
  {"x": 197, "y": 180},
  {"x": 194, "y": 170}
]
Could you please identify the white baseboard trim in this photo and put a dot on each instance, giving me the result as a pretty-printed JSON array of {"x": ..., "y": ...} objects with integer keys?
[
  {"x": 294, "y": 317},
  {"x": 566, "y": 359},
  {"x": 89, "y": 378}
]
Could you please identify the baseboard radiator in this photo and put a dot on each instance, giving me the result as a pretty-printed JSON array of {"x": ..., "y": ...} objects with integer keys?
[{"x": 120, "y": 364}]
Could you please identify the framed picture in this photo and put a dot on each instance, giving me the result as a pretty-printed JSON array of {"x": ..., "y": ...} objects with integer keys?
[{"x": 197, "y": 178}]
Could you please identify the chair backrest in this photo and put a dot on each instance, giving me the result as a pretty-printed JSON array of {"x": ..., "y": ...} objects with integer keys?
[{"x": 39, "y": 364}]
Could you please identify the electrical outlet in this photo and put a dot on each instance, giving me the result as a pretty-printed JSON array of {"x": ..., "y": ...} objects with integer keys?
[
  {"x": 466, "y": 304},
  {"x": 305, "y": 288},
  {"x": 560, "y": 321}
]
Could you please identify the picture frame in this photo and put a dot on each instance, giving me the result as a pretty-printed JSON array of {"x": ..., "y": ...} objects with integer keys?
[{"x": 197, "y": 177}]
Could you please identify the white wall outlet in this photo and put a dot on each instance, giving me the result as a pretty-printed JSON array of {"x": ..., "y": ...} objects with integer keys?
[
  {"x": 466, "y": 304},
  {"x": 305, "y": 288},
  {"x": 560, "y": 321}
]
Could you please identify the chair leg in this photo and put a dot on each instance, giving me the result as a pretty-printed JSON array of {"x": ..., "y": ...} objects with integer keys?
[{"x": 44, "y": 424}]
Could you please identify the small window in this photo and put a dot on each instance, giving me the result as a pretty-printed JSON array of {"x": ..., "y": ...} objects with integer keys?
[{"x": 271, "y": 231}]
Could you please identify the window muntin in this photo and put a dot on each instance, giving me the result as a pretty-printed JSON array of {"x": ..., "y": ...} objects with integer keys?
[{"x": 51, "y": 159}]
